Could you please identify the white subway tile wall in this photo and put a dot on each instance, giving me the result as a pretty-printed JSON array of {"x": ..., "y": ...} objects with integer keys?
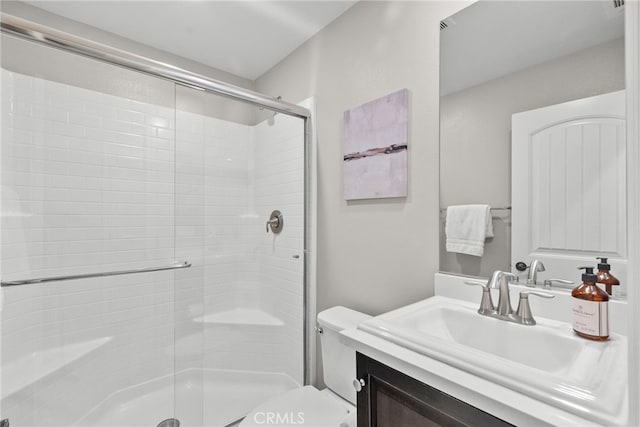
[{"x": 93, "y": 182}]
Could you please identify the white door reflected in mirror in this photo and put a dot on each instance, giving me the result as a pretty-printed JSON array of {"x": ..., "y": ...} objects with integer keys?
[{"x": 569, "y": 185}]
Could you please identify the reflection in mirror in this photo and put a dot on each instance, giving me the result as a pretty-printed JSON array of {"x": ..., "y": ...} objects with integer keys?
[{"x": 498, "y": 59}]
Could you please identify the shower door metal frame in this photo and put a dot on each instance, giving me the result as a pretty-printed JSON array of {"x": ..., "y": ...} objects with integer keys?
[
  {"x": 51, "y": 37},
  {"x": 42, "y": 34}
]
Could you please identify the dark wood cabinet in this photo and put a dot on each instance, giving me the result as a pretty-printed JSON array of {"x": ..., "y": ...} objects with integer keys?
[{"x": 390, "y": 398}]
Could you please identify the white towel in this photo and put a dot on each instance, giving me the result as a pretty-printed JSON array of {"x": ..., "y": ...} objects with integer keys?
[{"x": 467, "y": 227}]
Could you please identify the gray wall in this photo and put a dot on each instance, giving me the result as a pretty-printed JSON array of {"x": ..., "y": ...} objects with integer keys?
[
  {"x": 373, "y": 255},
  {"x": 475, "y": 138}
]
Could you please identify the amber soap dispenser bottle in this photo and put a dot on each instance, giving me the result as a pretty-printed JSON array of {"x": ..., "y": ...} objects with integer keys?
[
  {"x": 605, "y": 277},
  {"x": 590, "y": 308}
]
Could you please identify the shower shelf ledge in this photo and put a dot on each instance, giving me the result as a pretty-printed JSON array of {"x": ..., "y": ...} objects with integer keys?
[
  {"x": 240, "y": 316},
  {"x": 27, "y": 370}
]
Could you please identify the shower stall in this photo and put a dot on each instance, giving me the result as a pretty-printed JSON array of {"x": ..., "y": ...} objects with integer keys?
[{"x": 156, "y": 257}]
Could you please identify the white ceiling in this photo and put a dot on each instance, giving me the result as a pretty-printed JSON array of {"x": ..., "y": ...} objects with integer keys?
[
  {"x": 245, "y": 38},
  {"x": 490, "y": 39}
]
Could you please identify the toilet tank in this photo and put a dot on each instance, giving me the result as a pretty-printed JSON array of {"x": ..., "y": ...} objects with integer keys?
[{"x": 338, "y": 360}]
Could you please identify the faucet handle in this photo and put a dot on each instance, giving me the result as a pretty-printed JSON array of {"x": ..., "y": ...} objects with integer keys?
[
  {"x": 542, "y": 294},
  {"x": 486, "y": 304},
  {"x": 484, "y": 285},
  {"x": 549, "y": 282},
  {"x": 524, "y": 310}
]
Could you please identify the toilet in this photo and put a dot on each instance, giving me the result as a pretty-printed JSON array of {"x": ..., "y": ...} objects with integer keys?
[{"x": 307, "y": 406}]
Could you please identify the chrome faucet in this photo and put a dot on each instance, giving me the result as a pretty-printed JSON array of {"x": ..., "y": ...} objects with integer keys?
[
  {"x": 536, "y": 265},
  {"x": 500, "y": 280}
]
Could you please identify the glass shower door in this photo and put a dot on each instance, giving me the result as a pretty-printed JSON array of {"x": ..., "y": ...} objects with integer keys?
[
  {"x": 240, "y": 315},
  {"x": 87, "y": 175}
]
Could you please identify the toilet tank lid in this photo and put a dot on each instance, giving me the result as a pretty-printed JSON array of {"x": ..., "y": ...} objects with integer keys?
[{"x": 339, "y": 318}]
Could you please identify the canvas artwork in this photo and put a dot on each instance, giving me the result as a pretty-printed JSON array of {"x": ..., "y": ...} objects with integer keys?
[{"x": 375, "y": 148}]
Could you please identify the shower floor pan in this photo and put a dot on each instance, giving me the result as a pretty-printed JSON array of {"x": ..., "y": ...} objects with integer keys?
[{"x": 211, "y": 398}]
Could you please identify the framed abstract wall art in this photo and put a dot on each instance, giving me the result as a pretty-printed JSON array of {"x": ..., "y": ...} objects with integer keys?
[{"x": 375, "y": 148}]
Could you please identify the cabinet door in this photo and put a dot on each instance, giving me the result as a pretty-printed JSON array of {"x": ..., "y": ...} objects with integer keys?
[{"x": 393, "y": 399}]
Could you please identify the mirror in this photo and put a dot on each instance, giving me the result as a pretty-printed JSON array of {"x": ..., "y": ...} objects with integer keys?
[{"x": 500, "y": 58}]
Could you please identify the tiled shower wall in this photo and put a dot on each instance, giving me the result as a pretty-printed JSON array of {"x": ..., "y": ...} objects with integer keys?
[{"x": 93, "y": 182}]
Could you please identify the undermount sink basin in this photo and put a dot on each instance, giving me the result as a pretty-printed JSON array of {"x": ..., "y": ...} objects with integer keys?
[
  {"x": 548, "y": 348},
  {"x": 546, "y": 361}
]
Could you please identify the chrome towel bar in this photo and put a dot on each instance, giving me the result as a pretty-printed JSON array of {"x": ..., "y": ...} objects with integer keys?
[
  {"x": 506, "y": 208},
  {"x": 443, "y": 211},
  {"x": 175, "y": 266}
]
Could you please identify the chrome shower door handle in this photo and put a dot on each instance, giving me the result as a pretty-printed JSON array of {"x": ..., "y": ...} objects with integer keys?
[{"x": 275, "y": 222}]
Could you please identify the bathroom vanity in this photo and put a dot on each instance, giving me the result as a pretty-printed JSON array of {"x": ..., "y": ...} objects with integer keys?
[{"x": 438, "y": 359}]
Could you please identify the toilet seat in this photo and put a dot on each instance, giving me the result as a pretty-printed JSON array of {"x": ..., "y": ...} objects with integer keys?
[{"x": 306, "y": 406}]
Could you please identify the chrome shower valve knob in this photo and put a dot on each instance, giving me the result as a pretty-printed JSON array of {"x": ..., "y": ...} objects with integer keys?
[{"x": 275, "y": 222}]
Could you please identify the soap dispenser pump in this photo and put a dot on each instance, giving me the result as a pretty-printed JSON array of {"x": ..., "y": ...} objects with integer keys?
[
  {"x": 605, "y": 277},
  {"x": 590, "y": 308}
]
